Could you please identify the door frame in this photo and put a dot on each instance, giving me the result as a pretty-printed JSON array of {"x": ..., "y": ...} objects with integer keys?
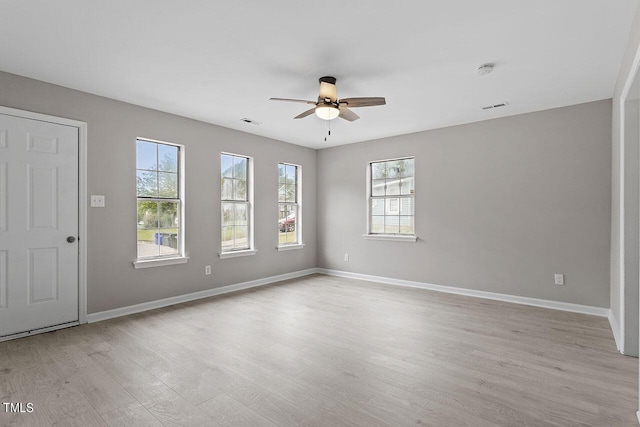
[
  {"x": 620, "y": 329},
  {"x": 82, "y": 198}
]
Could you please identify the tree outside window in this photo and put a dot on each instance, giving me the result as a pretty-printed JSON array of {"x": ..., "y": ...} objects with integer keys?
[
  {"x": 234, "y": 195},
  {"x": 158, "y": 199}
]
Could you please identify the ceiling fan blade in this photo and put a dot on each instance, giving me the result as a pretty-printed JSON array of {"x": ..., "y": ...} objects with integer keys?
[
  {"x": 363, "y": 102},
  {"x": 304, "y": 101},
  {"x": 347, "y": 114},
  {"x": 306, "y": 113}
]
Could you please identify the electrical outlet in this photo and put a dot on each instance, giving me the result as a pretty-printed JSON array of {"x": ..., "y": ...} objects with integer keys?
[
  {"x": 97, "y": 201},
  {"x": 346, "y": 257},
  {"x": 559, "y": 279},
  {"x": 207, "y": 270}
]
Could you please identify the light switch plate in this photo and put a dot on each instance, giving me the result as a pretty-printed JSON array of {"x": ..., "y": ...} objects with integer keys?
[{"x": 97, "y": 201}]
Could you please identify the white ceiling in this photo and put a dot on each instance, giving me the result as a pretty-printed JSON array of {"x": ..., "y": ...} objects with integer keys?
[{"x": 219, "y": 61}]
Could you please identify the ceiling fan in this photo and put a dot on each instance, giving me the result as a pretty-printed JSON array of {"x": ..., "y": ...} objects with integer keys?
[{"x": 328, "y": 106}]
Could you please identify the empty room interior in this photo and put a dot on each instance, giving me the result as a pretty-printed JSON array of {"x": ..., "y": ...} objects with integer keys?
[{"x": 285, "y": 213}]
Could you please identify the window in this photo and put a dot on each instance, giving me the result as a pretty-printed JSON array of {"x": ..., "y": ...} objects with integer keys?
[
  {"x": 289, "y": 212},
  {"x": 235, "y": 195},
  {"x": 391, "y": 197},
  {"x": 159, "y": 197}
]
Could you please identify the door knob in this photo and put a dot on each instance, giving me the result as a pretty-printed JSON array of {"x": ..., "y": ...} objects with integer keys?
[{"x": 71, "y": 239}]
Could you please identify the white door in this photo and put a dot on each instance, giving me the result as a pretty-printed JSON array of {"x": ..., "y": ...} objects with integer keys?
[{"x": 38, "y": 224}]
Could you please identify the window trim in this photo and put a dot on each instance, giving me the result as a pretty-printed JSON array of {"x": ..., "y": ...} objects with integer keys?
[
  {"x": 159, "y": 262},
  {"x": 290, "y": 247},
  {"x": 368, "y": 196},
  {"x": 181, "y": 257},
  {"x": 392, "y": 237},
  {"x": 251, "y": 250},
  {"x": 298, "y": 244},
  {"x": 237, "y": 253}
]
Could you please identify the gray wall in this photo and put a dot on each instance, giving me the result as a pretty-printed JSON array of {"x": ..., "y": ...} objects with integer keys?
[
  {"x": 501, "y": 206},
  {"x": 112, "y": 130}
]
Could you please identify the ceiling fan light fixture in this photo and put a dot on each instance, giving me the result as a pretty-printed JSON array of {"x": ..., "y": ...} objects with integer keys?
[{"x": 327, "y": 112}]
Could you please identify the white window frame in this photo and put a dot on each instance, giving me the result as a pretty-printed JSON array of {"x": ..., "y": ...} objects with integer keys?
[
  {"x": 180, "y": 257},
  {"x": 298, "y": 230},
  {"x": 383, "y": 236},
  {"x": 250, "y": 209}
]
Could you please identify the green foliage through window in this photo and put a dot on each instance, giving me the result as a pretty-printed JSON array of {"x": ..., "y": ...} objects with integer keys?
[
  {"x": 235, "y": 209},
  {"x": 158, "y": 194}
]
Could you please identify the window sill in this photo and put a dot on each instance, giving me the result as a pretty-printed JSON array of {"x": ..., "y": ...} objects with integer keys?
[
  {"x": 159, "y": 262},
  {"x": 290, "y": 247},
  {"x": 236, "y": 254},
  {"x": 391, "y": 237}
]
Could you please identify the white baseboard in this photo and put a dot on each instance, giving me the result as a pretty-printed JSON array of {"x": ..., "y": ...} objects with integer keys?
[
  {"x": 616, "y": 331},
  {"x": 138, "y": 308},
  {"x": 556, "y": 305},
  {"x": 638, "y": 415}
]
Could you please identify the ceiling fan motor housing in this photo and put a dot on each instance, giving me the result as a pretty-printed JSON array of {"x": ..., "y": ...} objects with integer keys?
[
  {"x": 327, "y": 79},
  {"x": 328, "y": 90}
]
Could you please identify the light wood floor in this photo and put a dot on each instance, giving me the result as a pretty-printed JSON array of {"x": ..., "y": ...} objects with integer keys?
[{"x": 324, "y": 351}]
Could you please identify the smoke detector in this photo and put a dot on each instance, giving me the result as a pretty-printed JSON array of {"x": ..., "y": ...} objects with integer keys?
[{"x": 485, "y": 69}]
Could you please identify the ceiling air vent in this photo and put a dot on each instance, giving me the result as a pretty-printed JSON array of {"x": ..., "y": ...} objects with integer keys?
[
  {"x": 485, "y": 69},
  {"x": 491, "y": 107},
  {"x": 251, "y": 122}
]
